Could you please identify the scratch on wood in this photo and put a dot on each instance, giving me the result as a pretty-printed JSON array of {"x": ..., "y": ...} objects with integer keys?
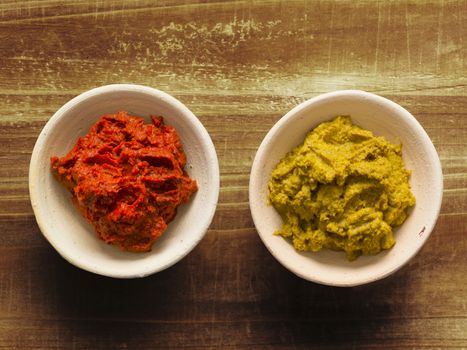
[
  {"x": 112, "y": 11},
  {"x": 216, "y": 281},
  {"x": 438, "y": 45},
  {"x": 96, "y": 10},
  {"x": 461, "y": 37},
  {"x": 407, "y": 36},
  {"x": 200, "y": 44},
  {"x": 377, "y": 37},
  {"x": 16, "y": 215},
  {"x": 330, "y": 37}
]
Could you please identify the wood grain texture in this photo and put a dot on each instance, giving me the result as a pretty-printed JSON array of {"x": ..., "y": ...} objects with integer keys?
[{"x": 239, "y": 66}]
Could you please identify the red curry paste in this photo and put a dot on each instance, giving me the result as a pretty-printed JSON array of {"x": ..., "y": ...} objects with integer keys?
[{"x": 127, "y": 178}]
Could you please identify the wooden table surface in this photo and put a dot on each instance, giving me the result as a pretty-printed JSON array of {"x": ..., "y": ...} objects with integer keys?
[{"x": 239, "y": 66}]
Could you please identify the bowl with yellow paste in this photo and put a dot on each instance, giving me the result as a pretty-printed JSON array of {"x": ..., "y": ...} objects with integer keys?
[{"x": 345, "y": 188}]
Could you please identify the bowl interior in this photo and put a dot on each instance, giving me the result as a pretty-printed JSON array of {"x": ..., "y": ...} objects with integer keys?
[
  {"x": 383, "y": 118},
  {"x": 71, "y": 234}
]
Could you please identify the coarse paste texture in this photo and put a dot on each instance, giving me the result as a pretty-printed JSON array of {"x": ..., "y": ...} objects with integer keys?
[
  {"x": 127, "y": 178},
  {"x": 342, "y": 189}
]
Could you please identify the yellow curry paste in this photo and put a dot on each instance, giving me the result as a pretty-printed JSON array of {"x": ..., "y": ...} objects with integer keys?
[{"x": 342, "y": 189}]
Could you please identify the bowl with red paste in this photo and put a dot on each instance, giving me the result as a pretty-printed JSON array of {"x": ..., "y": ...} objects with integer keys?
[{"x": 124, "y": 181}]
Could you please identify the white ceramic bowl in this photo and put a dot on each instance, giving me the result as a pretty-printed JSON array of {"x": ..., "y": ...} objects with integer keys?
[
  {"x": 61, "y": 222},
  {"x": 382, "y": 117}
]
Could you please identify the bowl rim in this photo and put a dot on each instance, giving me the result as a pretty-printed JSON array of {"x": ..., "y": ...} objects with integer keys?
[
  {"x": 292, "y": 115},
  {"x": 209, "y": 149}
]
